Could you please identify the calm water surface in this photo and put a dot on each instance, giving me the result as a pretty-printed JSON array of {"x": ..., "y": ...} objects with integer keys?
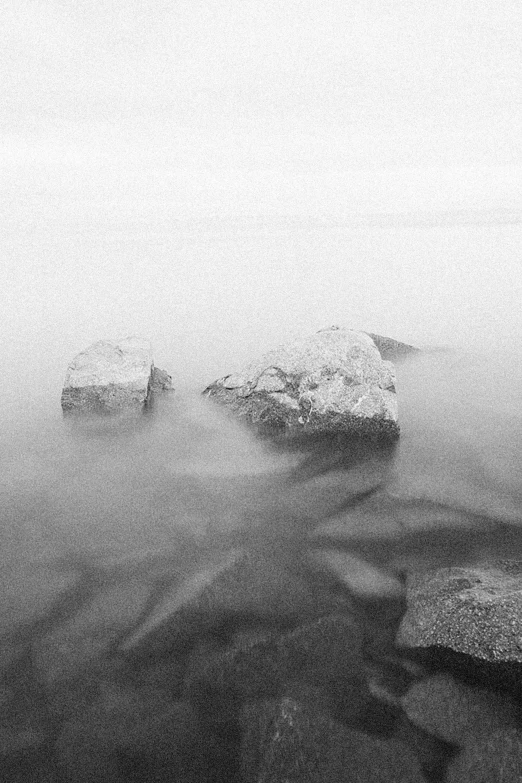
[{"x": 177, "y": 490}]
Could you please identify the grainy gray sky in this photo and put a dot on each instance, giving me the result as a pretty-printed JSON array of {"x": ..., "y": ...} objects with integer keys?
[{"x": 248, "y": 106}]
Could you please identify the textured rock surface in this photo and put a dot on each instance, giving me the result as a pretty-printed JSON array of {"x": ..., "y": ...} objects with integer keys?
[
  {"x": 285, "y": 740},
  {"x": 330, "y": 383},
  {"x": 390, "y": 349},
  {"x": 161, "y": 381},
  {"x": 477, "y": 611},
  {"x": 112, "y": 376}
]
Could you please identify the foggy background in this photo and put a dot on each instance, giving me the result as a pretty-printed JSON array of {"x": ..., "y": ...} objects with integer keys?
[{"x": 220, "y": 176}]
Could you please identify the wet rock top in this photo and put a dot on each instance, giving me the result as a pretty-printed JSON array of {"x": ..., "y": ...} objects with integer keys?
[
  {"x": 111, "y": 376},
  {"x": 332, "y": 382},
  {"x": 476, "y": 611},
  {"x": 109, "y": 361}
]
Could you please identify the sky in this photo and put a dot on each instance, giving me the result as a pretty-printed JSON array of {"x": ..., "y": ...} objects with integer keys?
[
  {"x": 261, "y": 107},
  {"x": 123, "y": 121}
]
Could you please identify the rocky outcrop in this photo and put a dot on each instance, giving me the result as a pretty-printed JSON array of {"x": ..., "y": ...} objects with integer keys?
[
  {"x": 333, "y": 382},
  {"x": 390, "y": 349},
  {"x": 475, "y": 611},
  {"x": 111, "y": 376}
]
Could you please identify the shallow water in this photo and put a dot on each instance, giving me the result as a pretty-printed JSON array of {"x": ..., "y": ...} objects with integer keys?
[{"x": 134, "y": 518}]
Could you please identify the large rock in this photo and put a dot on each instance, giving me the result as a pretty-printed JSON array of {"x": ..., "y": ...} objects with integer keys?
[
  {"x": 333, "y": 382},
  {"x": 476, "y": 611},
  {"x": 112, "y": 376}
]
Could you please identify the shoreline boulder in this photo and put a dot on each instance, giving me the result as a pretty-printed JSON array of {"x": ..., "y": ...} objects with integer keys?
[
  {"x": 111, "y": 376},
  {"x": 331, "y": 383},
  {"x": 472, "y": 610}
]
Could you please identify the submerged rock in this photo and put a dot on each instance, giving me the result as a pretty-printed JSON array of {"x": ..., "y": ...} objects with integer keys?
[
  {"x": 284, "y": 740},
  {"x": 454, "y": 711},
  {"x": 325, "y": 655},
  {"x": 112, "y": 376},
  {"x": 476, "y": 611},
  {"x": 331, "y": 383}
]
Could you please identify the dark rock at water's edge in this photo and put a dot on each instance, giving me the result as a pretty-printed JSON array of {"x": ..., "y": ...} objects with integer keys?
[
  {"x": 392, "y": 350},
  {"x": 112, "y": 377},
  {"x": 331, "y": 383},
  {"x": 160, "y": 381},
  {"x": 473, "y": 610}
]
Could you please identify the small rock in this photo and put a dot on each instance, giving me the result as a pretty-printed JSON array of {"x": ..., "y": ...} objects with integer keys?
[{"x": 110, "y": 377}]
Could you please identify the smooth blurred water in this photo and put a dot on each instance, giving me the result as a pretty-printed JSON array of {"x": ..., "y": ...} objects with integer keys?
[
  {"x": 186, "y": 483},
  {"x": 185, "y": 471}
]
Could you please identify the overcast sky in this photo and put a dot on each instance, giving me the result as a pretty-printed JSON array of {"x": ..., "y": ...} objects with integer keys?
[
  {"x": 122, "y": 118},
  {"x": 248, "y": 106}
]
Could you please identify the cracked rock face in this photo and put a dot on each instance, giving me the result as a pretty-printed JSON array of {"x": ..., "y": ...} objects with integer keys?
[
  {"x": 111, "y": 376},
  {"x": 334, "y": 382}
]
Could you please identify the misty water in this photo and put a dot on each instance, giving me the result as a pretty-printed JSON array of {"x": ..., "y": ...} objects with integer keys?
[{"x": 170, "y": 495}]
